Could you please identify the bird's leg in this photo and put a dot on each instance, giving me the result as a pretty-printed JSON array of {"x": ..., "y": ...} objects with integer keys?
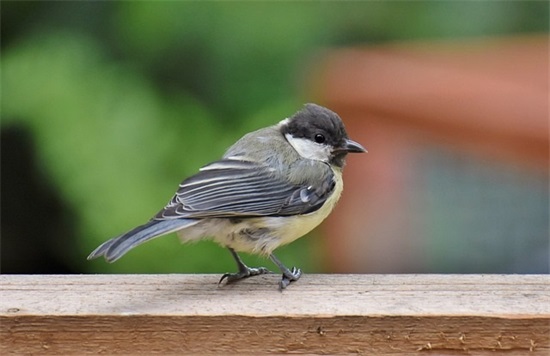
[
  {"x": 244, "y": 270},
  {"x": 288, "y": 275}
]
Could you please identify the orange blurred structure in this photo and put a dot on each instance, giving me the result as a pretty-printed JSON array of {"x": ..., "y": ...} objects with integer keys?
[{"x": 484, "y": 100}]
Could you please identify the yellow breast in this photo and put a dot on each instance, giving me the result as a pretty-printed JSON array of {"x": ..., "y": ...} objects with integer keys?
[{"x": 294, "y": 227}]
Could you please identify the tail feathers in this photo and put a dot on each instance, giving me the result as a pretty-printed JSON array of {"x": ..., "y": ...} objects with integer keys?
[{"x": 115, "y": 248}]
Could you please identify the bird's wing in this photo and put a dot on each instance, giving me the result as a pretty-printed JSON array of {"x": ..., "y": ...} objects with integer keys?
[{"x": 235, "y": 188}]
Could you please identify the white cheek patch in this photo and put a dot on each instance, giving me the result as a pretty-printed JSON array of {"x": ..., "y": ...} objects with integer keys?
[{"x": 309, "y": 149}]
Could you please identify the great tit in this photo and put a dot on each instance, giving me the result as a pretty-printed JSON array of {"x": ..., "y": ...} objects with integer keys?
[{"x": 271, "y": 187}]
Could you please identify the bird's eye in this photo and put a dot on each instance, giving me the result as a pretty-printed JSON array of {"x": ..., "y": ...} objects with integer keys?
[{"x": 319, "y": 138}]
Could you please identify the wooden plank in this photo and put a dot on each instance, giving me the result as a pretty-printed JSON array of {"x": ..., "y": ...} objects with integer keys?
[{"x": 373, "y": 314}]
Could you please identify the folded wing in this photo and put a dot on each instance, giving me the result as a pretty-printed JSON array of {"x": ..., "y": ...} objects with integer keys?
[{"x": 240, "y": 188}]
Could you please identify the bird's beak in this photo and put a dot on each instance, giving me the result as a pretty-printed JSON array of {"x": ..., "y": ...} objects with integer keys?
[{"x": 352, "y": 146}]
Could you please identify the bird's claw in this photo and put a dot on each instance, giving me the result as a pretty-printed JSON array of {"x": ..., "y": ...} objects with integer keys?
[
  {"x": 289, "y": 276},
  {"x": 244, "y": 273}
]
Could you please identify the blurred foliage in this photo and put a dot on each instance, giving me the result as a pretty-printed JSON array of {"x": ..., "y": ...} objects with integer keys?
[{"x": 125, "y": 99}]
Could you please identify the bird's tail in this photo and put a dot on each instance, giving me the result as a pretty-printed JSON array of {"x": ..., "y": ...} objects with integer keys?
[{"x": 115, "y": 248}]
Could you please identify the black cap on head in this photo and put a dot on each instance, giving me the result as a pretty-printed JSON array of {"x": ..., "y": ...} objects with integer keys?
[
  {"x": 314, "y": 121},
  {"x": 323, "y": 126}
]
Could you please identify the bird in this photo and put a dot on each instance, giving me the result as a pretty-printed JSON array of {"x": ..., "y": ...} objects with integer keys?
[{"x": 271, "y": 187}]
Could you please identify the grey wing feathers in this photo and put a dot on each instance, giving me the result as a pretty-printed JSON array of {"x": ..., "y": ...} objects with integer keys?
[
  {"x": 230, "y": 188},
  {"x": 227, "y": 188}
]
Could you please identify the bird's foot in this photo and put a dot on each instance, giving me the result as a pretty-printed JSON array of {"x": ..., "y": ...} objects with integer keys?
[
  {"x": 244, "y": 273},
  {"x": 289, "y": 276}
]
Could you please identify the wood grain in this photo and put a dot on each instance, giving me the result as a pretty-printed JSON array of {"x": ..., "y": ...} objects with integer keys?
[{"x": 320, "y": 314}]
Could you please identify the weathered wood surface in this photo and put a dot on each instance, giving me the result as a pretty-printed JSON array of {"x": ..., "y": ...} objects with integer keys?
[{"x": 320, "y": 314}]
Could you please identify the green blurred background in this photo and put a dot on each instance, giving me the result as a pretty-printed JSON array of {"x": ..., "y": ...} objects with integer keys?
[{"x": 107, "y": 106}]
